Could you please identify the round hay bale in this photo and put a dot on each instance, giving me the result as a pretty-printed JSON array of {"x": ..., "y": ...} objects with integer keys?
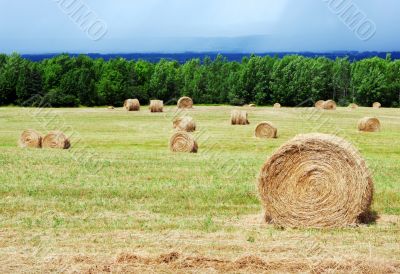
[
  {"x": 376, "y": 105},
  {"x": 132, "y": 105},
  {"x": 182, "y": 141},
  {"x": 239, "y": 117},
  {"x": 368, "y": 124},
  {"x": 184, "y": 124},
  {"x": 316, "y": 180},
  {"x": 185, "y": 102},
  {"x": 30, "y": 138},
  {"x": 353, "y": 106},
  {"x": 277, "y": 105},
  {"x": 56, "y": 139},
  {"x": 156, "y": 106},
  {"x": 329, "y": 105},
  {"x": 319, "y": 104},
  {"x": 252, "y": 105},
  {"x": 266, "y": 130}
]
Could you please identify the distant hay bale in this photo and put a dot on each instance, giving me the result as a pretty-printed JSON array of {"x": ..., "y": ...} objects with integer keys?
[
  {"x": 156, "y": 106},
  {"x": 56, "y": 139},
  {"x": 132, "y": 105},
  {"x": 111, "y": 107},
  {"x": 184, "y": 124},
  {"x": 368, "y": 124},
  {"x": 376, "y": 105},
  {"x": 30, "y": 139},
  {"x": 353, "y": 106},
  {"x": 329, "y": 105},
  {"x": 182, "y": 141},
  {"x": 185, "y": 102},
  {"x": 252, "y": 105},
  {"x": 319, "y": 104},
  {"x": 266, "y": 130},
  {"x": 239, "y": 117},
  {"x": 277, "y": 105},
  {"x": 316, "y": 180}
]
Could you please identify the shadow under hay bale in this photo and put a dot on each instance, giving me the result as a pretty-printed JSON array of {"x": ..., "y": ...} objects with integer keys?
[
  {"x": 185, "y": 103},
  {"x": 266, "y": 130},
  {"x": 239, "y": 117},
  {"x": 56, "y": 139},
  {"x": 317, "y": 181},
  {"x": 183, "y": 142},
  {"x": 184, "y": 124},
  {"x": 30, "y": 139},
  {"x": 368, "y": 124},
  {"x": 156, "y": 106}
]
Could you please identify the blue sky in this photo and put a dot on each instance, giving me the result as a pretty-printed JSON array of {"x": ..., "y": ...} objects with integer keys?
[{"x": 44, "y": 26}]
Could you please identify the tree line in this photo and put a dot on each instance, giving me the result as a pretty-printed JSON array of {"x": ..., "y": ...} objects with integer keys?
[{"x": 65, "y": 81}]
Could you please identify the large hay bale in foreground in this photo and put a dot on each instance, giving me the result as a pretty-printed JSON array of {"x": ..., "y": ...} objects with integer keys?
[
  {"x": 319, "y": 104},
  {"x": 368, "y": 124},
  {"x": 56, "y": 139},
  {"x": 266, "y": 130},
  {"x": 132, "y": 105},
  {"x": 183, "y": 142},
  {"x": 185, "y": 102},
  {"x": 329, "y": 105},
  {"x": 376, "y": 105},
  {"x": 184, "y": 124},
  {"x": 277, "y": 105},
  {"x": 316, "y": 180},
  {"x": 239, "y": 117},
  {"x": 156, "y": 106},
  {"x": 30, "y": 139}
]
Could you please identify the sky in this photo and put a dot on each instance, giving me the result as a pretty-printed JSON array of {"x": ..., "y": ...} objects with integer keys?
[{"x": 122, "y": 26}]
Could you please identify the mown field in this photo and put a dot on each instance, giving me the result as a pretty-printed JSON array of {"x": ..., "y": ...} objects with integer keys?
[{"x": 120, "y": 201}]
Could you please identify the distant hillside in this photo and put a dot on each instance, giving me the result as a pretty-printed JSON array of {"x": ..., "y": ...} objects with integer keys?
[{"x": 183, "y": 57}]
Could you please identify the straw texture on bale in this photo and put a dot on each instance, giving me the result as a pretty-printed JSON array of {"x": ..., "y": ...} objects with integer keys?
[
  {"x": 316, "y": 180},
  {"x": 132, "y": 105},
  {"x": 56, "y": 139},
  {"x": 185, "y": 102},
  {"x": 239, "y": 117},
  {"x": 368, "y": 124},
  {"x": 156, "y": 106},
  {"x": 30, "y": 138},
  {"x": 266, "y": 130},
  {"x": 329, "y": 105},
  {"x": 184, "y": 124},
  {"x": 277, "y": 105},
  {"x": 319, "y": 104},
  {"x": 376, "y": 105},
  {"x": 353, "y": 106},
  {"x": 182, "y": 141}
]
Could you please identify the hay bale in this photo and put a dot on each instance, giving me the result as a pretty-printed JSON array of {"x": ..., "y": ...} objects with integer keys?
[
  {"x": 182, "y": 141},
  {"x": 329, "y": 105},
  {"x": 319, "y": 104},
  {"x": 156, "y": 106},
  {"x": 353, "y": 106},
  {"x": 252, "y": 105},
  {"x": 368, "y": 124},
  {"x": 376, "y": 105},
  {"x": 239, "y": 117},
  {"x": 185, "y": 102},
  {"x": 56, "y": 139},
  {"x": 132, "y": 105},
  {"x": 30, "y": 139},
  {"x": 184, "y": 124},
  {"x": 315, "y": 180},
  {"x": 277, "y": 105},
  {"x": 266, "y": 130}
]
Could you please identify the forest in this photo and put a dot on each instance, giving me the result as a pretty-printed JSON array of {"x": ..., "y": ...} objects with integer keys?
[{"x": 65, "y": 81}]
